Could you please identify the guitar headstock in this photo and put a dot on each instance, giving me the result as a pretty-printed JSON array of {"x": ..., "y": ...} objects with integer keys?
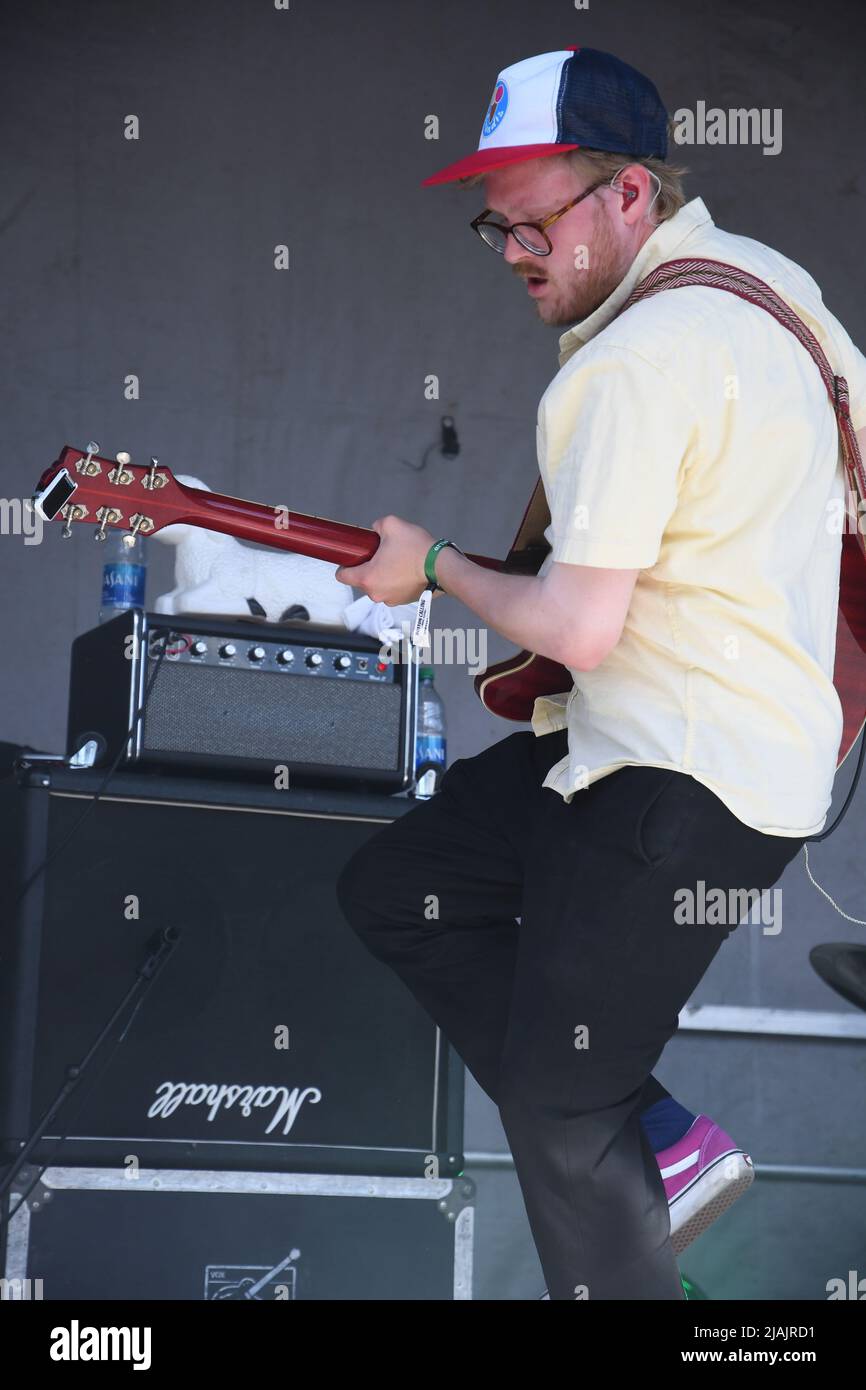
[{"x": 112, "y": 493}]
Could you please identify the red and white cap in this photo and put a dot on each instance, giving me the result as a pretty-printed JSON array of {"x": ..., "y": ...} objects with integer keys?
[{"x": 571, "y": 99}]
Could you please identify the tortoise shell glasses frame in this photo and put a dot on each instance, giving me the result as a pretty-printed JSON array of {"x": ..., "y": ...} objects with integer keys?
[{"x": 497, "y": 235}]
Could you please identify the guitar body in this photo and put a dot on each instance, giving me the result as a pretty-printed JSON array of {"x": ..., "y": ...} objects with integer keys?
[
  {"x": 849, "y": 674},
  {"x": 510, "y": 688}
]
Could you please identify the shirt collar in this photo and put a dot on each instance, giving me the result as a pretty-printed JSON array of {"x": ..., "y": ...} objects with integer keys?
[{"x": 667, "y": 238}]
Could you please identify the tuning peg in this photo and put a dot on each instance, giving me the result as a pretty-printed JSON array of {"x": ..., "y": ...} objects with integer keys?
[
  {"x": 107, "y": 516},
  {"x": 129, "y": 538},
  {"x": 71, "y": 512},
  {"x": 86, "y": 464},
  {"x": 152, "y": 479},
  {"x": 121, "y": 476}
]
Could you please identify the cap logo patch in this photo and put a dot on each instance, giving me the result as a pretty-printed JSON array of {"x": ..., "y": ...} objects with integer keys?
[{"x": 497, "y": 108}]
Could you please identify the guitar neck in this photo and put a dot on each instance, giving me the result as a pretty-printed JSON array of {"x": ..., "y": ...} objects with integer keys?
[
  {"x": 316, "y": 536},
  {"x": 117, "y": 493}
]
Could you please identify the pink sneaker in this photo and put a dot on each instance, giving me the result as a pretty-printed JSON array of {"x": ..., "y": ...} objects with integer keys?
[{"x": 704, "y": 1173}]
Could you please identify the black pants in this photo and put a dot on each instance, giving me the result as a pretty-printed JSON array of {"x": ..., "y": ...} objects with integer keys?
[{"x": 562, "y": 1017}]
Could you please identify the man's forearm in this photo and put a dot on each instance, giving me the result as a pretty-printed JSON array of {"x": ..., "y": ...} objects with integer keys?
[{"x": 509, "y": 603}]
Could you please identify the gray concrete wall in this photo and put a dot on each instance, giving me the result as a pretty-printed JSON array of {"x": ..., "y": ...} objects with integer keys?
[{"x": 155, "y": 257}]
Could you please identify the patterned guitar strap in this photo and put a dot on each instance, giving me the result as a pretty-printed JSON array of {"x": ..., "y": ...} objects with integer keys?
[{"x": 694, "y": 270}]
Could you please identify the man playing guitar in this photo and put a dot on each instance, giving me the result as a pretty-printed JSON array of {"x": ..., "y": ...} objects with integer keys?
[{"x": 689, "y": 461}]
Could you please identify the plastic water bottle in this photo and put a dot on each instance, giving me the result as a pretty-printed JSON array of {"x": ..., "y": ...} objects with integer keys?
[
  {"x": 124, "y": 575},
  {"x": 430, "y": 736}
]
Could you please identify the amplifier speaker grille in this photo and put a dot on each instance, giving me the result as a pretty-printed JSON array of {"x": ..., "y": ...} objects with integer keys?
[{"x": 323, "y": 720}]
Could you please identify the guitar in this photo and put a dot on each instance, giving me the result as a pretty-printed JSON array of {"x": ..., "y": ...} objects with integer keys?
[{"x": 83, "y": 486}]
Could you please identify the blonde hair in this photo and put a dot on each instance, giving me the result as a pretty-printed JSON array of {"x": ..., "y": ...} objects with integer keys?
[{"x": 601, "y": 164}]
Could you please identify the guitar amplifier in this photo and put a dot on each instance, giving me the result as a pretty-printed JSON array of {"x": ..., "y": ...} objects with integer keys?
[{"x": 313, "y": 705}]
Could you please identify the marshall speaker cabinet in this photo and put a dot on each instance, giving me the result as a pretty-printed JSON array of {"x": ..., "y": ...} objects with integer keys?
[{"x": 269, "y": 1040}]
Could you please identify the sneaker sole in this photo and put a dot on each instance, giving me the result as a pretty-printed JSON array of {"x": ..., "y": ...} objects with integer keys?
[
  {"x": 710, "y": 1194},
  {"x": 707, "y": 1197}
]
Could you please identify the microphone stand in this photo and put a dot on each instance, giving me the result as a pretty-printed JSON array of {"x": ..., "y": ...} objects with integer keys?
[{"x": 166, "y": 940}]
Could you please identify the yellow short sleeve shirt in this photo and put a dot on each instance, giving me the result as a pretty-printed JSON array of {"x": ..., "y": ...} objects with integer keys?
[{"x": 692, "y": 438}]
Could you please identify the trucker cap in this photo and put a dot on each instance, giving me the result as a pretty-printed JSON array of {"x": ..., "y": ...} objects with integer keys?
[{"x": 575, "y": 98}]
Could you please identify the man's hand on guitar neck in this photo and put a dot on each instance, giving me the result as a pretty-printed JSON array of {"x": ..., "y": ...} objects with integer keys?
[
  {"x": 574, "y": 614},
  {"x": 395, "y": 574}
]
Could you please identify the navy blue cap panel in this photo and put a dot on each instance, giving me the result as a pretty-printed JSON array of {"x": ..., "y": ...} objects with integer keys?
[{"x": 604, "y": 104}]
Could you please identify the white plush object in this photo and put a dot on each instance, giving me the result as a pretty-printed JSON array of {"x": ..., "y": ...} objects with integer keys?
[{"x": 217, "y": 574}]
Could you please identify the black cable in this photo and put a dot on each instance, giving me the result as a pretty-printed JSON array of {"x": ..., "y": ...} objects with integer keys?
[{"x": 437, "y": 444}]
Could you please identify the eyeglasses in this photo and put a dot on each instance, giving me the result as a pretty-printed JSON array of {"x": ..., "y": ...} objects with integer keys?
[{"x": 530, "y": 235}]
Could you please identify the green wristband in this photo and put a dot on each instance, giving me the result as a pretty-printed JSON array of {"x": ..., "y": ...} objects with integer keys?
[{"x": 430, "y": 562}]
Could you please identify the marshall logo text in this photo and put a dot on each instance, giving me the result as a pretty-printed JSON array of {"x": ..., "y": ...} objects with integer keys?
[{"x": 171, "y": 1094}]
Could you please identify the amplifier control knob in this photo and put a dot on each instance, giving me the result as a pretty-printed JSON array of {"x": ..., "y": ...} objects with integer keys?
[
  {"x": 313, "y": 659},
  {"x": 199, "y": 648},
  {"x": 342, "y": 663},
  {"x": 256, "y": 653},
  {"x": 228, "y": 649},
  {"x": 285, "y": 657}
]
